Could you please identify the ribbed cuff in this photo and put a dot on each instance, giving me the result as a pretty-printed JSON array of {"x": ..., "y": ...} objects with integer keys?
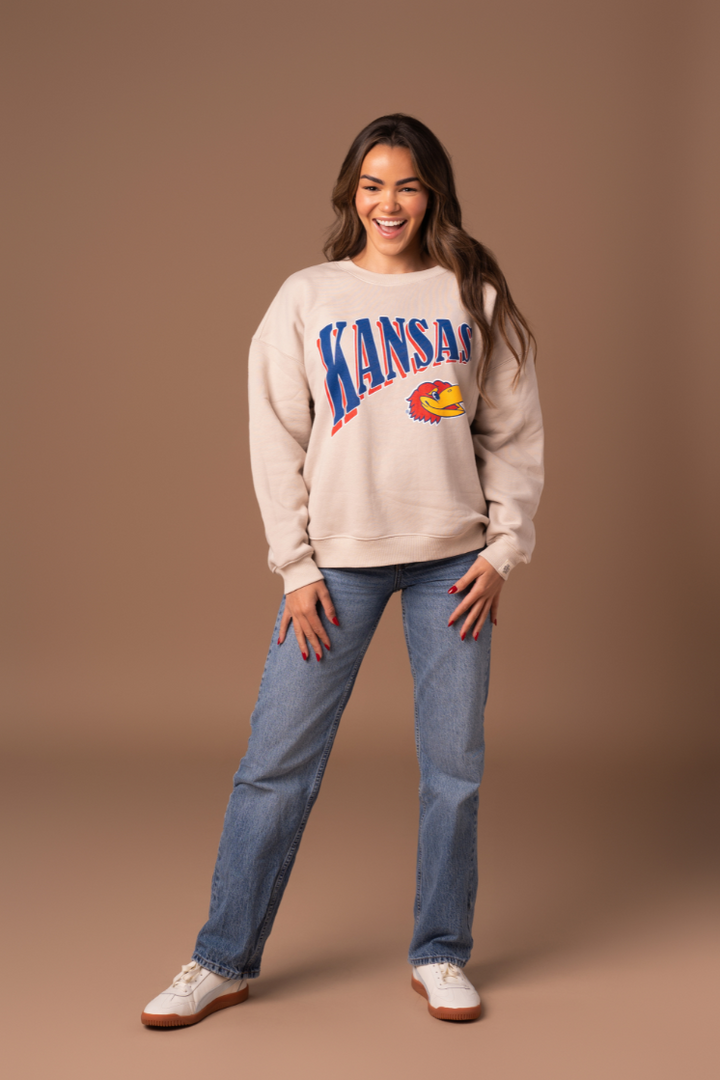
[
  {"x": 302, "y": 572},
  {"x": 502, "y": 556}
]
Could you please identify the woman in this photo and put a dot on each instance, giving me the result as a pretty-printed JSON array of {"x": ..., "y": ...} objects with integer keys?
[{"x": 396, "y": 444}]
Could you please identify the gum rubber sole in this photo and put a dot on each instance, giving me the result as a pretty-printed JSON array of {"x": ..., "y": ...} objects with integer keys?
[
  {"x": 175, "y": 1020},
  {"x": 446, "y": 1014}
]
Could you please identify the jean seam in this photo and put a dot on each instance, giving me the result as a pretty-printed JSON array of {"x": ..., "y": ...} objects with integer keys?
[
  {"x": 277, "y": 890},
  {"x": 216, "y": 874},
  {"x": 472, "y": 869},
  {"x": 421, "y": 814},
  {"x": 272, "y": 642}
]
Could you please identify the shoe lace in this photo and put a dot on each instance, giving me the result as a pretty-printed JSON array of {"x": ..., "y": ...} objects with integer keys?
[
  {"x": 450, "y": 974},
  {"x": 189, "y": 972}
]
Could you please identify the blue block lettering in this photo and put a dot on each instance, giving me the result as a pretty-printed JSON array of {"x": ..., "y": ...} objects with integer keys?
[{"x": 338, "y": 379}]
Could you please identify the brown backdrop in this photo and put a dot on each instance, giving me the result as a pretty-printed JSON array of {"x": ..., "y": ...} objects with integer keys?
[
  {"x": 171, "y": 165},
  {"x": 167, "y": 165}
]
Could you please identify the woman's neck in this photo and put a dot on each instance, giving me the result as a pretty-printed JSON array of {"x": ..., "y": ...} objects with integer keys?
[{"x": 405, "y": 262}]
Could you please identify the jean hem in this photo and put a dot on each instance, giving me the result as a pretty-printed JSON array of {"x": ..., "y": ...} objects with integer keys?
[
  {"x": 420, "y": 961},
  {"x": 224, "y": 972}
]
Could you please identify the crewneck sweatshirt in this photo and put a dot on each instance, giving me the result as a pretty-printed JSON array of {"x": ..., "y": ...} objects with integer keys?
[{"x": 370, "y": 444}]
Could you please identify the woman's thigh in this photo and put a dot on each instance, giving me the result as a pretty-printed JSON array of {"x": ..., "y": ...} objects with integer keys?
[
  {"x": 300, "y": 701},
  {"x": 451, "y": 676}
]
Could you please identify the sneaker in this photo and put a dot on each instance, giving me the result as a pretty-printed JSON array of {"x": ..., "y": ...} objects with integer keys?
[
  {"x": 193, "y": 994},
  {"x": 450, "y": 995}
]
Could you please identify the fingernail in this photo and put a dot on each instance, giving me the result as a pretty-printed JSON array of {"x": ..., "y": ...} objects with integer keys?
[
  {"x": 304, "y": 656},
  {"x": 454, "y": 589},
  {"x": 462, "y": 637},
  {"x": 279, "y": 641},
  {"x": 327, "y": 646},
  {"x": 335, "y": 620},
  {"x": 318, "y": 656},
  {"x": 450, "y": 623},
  {"x": 475, "y": 636},
  {"x": 494, "y": 622}
]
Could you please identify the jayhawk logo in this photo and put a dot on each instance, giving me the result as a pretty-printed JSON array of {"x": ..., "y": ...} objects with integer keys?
[{"x": 430, "y": 401}]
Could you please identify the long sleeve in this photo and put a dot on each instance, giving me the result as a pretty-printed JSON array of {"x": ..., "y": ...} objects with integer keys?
[
  {"x": 280, "y": 421},
  {"x": 508, "y": 441}
]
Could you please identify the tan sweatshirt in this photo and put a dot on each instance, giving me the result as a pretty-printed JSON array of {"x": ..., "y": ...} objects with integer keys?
[{"x": 369, "y": 443}]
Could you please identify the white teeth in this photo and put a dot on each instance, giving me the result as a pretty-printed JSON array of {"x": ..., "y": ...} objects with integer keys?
[{"x": 393, "y": 223}]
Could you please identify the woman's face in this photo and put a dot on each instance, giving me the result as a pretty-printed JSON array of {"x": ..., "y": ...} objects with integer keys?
[{"x": 391, "y": 201}]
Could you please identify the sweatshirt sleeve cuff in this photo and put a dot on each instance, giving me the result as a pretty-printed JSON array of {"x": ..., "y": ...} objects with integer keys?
[
  {"x": 302, "y": 572},
  {"x": 502, "y": 556}
]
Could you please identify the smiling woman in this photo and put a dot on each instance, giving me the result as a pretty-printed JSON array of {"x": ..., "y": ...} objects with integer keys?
[
  {"x": 366, "y": 490},
  {"x": 391, "y": 204},
  {"x": 398, "y": 150}
]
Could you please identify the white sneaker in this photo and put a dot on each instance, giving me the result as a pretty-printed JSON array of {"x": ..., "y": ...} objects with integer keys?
[
  {"x": 450, "y": 994},
  {"x": 193, "y": 993}
]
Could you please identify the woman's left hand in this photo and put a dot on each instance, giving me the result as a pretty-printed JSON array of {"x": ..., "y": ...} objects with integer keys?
[{"x": 482, "y": 599}]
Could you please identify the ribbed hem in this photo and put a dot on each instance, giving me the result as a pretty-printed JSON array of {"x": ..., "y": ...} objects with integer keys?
[{"x": 342, "y": 551}]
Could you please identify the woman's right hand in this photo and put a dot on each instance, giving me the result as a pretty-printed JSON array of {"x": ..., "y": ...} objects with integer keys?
[{"x": 301, "y": 606}]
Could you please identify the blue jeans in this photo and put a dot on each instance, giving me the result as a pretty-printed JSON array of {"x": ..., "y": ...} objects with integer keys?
[{"x": 293, "y": 727}]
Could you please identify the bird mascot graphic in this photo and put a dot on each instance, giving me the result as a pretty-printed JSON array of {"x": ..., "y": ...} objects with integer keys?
[{"x": 431, "y": 401}]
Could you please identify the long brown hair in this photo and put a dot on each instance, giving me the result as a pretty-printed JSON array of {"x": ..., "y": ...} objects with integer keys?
[{"x": 442, "y": 236}]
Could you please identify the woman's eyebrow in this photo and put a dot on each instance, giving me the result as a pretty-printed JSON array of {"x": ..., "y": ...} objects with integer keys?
[{"x": 398, "y": 183}]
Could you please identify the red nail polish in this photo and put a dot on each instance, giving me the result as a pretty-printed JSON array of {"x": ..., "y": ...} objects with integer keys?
[
  {"x": 475, "y": 636},
  {"x": 454, "y": 589},
  {"x": 462, "y": 637},
  {"x": 450, "y": 624},
  {"x": 318, "y": 656},
  {"x": 494, "y": 622},
  {"x": 335, "y": 620},
  {"x": 328, "y": 646},
  {"x": 304, "y": 656}
]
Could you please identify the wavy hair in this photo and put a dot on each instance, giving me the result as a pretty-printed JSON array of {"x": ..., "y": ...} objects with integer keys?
[{"x": 442, "y": 236}]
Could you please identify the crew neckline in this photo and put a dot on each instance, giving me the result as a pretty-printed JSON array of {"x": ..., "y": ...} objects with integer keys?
[{"x": 389, "y": 279}]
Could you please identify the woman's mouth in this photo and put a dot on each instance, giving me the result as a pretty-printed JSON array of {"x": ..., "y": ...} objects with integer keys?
[{"x": 390, "y": 227}]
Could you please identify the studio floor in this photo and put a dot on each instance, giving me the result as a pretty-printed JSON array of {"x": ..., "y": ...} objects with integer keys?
[{"x": 597, "y": 928}]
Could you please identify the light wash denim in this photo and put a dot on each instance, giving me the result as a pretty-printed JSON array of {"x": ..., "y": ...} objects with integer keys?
[{"x": 293, "y": 726}]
